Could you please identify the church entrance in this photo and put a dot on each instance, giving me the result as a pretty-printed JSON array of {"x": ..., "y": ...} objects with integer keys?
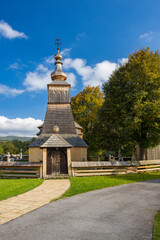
[{"x": 57, "y": 161}]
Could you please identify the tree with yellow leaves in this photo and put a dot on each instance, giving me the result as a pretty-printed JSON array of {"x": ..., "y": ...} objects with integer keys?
[{"x": 85, "y": 107}]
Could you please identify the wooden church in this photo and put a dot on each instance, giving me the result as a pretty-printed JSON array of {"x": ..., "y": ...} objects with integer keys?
[{"x": 60, "y": 139}]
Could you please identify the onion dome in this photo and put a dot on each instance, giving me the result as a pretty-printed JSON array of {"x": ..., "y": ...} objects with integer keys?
[{"x": 58, "y": 73}]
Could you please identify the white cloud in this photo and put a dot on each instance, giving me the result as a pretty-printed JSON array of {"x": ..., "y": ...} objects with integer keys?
[
  {"x": 7, "y": 31},
  {"x": 71, "y": 79},
  {"x": 122, "y": 61},
  {"x": 42, "y": 68},
  {"x": 7, "y": 91},
  {"x": 17, "y": 65},
  {"x": 38, "y": 79},
  {"x": 41, "y": 76},
  {"x": 65, "y": 52},
  {"x": 80, "y": 36},
  {"x": 26, "y": 127},
  {"x": 93, "y": 76},
  {"x": 147, "y": 36},
  {"x": 14, "y": 66},
  {"x": 49, "y": 59}
]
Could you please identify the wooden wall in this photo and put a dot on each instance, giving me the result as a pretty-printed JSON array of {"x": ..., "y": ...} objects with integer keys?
[
  {"x": 59, "y": 94},
  {"x": 78, "y": 154},
  {"x": 35, "y": 154}
]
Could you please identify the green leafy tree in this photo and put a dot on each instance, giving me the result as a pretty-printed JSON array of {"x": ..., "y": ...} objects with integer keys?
[
  {"x": 85, "y": 107},
  {"x": 15, "y": 146},
  {"x": 21, "y": 145},
  {"x": 131, "y": 110},
  {"x": 1, "y": 149},
  {"x": 9, "y": 147}
]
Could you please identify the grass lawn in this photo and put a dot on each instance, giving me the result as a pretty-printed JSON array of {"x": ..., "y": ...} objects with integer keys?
[
  {"x": 85, "y": 184},
  {"x": 13, "y": 187},
  {"x": 156, "y": 231}
]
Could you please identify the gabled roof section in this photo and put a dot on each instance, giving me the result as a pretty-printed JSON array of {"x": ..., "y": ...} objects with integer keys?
[
  {"x": 56, "y": 141},
  {"x": 73, "y": 140}
]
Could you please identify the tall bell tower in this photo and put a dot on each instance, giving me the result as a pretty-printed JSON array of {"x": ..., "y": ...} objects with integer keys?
[
  {"x": 59, "y": 103},
  {"x": 59, "y": 141}
]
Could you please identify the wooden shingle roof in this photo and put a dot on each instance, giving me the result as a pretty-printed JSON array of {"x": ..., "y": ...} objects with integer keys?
[
  {"x": 61, "y": 114},
  {"x": 40, "y": 140},
  {"x": 56, "y": 141},
  {"x": 73, "y": 139}
]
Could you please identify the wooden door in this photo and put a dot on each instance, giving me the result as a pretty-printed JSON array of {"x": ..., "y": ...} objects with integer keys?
[
  {"x": 53, "y": 162},
  {"x": 63, "y": 163},
  {"x": 57, "y": 161}
]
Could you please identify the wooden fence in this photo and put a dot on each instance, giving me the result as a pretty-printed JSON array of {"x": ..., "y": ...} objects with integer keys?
[
  {"x": 82, "y": 169},
  {"x": 21, "y": 170}
]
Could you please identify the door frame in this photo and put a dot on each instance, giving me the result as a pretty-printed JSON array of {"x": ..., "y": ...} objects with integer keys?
[{"x": 60, "y": 150}]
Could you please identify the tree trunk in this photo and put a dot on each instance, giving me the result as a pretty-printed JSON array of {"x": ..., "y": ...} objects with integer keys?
[{"x": 142, "y": 153}]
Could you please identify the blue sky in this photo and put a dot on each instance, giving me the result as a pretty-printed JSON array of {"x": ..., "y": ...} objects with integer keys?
[{"x": 97, "y": 36}]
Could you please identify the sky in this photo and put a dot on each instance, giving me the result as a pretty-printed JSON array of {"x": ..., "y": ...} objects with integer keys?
[{"x": 97, "y": 36}]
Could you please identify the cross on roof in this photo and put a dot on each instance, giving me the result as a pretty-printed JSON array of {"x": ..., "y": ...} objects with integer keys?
[{"x": 57, "y": 42}]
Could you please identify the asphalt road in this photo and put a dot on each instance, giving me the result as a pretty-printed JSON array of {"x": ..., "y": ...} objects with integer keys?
[{"x": 118, "y": 213}]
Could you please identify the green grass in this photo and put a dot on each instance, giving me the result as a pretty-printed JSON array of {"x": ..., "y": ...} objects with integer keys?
[
  {"x": 13, "y": 187},
  {"x": 156, "y": 231},
  {"x": 85, "y": 184}
]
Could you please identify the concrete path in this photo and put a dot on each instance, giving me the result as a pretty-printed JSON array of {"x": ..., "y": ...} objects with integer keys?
[
  {"x": 14, "y": 207},
  {"x": 117, "y": 213}
]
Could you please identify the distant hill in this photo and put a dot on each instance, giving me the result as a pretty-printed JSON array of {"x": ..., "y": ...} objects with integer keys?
[{"x": 11, "y": 138}]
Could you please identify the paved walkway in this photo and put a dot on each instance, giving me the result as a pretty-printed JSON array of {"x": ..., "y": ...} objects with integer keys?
[
  {"x": 14, "y": 207},
  {"x": 123, "y": 212}
]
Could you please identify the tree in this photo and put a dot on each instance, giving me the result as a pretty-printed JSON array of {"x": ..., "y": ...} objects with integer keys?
[
  {"x": 1, "y": 149},
  {"x": 131, "y": 110},
  {"x": 85, "y": 106},
  {"x": 9, "y": 147},
  {"x": 15, "y": 146},
  {"x": 21, "y": 145}
]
